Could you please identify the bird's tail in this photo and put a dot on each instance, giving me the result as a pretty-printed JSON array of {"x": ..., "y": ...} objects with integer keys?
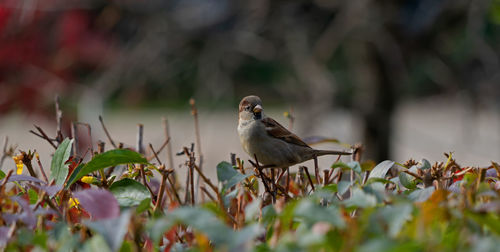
[{"x": 331, "y": 152}]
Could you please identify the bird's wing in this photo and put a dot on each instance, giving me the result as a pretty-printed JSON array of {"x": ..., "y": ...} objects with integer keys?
[{"x": 275, "y": 129}]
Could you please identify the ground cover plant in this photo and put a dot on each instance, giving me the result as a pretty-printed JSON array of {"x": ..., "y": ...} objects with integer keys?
[{"x": 132, "y": 200}]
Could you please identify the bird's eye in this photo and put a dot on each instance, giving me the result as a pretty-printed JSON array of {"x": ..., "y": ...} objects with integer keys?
[{"x": 247, "y": 108}]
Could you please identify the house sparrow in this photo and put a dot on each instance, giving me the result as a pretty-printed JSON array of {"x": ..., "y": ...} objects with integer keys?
[{"x": 273, "y": 145}]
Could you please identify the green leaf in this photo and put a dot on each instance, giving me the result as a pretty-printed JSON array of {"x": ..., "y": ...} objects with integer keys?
[
  {"x": 354, "y": 165},
  {"x": 488, "y": 220},
  {"x": 144, "y": 205},
  {"x": 107, "y": 159},
  {"x": 72, "y": 177},
  {"x": 33, "y": 195},
  {"x": 396, "y": 216},
  {"x": 228, "y": 175},
  {"x": 407, "y": 180},
  {"x": 2, "y": 174},
  {"x": 330, "y": 188},
  {"x": 424, "y": 164},
  {"x": 381, "y": 169},
  {"x": 96, "y": 243},
  {"x": 129, "y": 192},
  {"x": 421, "y": 195},
  {"x": 58, "y": 168},
  {"x": 379, "y": 180},
  {"x": 360, "y": 199},
  {"x": 313, "y": 213}
]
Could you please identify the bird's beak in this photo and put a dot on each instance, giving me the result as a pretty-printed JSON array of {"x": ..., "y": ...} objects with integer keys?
[{"x": 257, "y": 109}]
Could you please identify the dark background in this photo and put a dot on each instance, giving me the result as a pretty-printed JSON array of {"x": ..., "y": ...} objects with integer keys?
[{"x": 361, "y": 56}]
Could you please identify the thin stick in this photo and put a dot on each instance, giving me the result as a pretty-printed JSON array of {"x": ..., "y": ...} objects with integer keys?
[
  {"x": 44, "y": 136},
  {"x": 143, "y": 174},
  {"x": 166, "y": 130},
  {"x": 326, "y": 177},
  {"x": 191, "y": 176},
  {"x": 89, "y": 132},
  {"x": 262, "y": 176},
  {"x": 174, "y": 190},
  {"x": 204, "y": 190},
  {"x": 106, "y": 132},
  {"x": 207, "y": 180},
  {"x": 194, "y": 112},
  {"x": 273, "y": 183},
  {"x": 100, "y": 146},
  {"x": 4, "y": 151},
  {"x": 316, "y": 170},
  {"x": 309, "y": 178},
  {"x": 159, "y": 149},
  {"x": 74, "y": 134},
  {"x": 41, "y": 167},
  {"x": 155, "y": 154},
  {"x": 139, "y": 147},
  {"x": 59, "y": 136},
  {"x": 161, "y": 191},
  {"x": 233, "y": 159},
  {"x": 27, "y": 162},
  {"x": 5, "y": 180}
]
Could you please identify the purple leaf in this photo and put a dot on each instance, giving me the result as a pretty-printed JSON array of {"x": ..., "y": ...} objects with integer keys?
[
  {"x": 27, "y": 216},
  {"x": 491, "y": 173},
  {"x": 25, "y": 178},
  {"x": 100, "y": 204},
  {"x": 4, "y": 235},
  {"x": 50, "y": 190}
]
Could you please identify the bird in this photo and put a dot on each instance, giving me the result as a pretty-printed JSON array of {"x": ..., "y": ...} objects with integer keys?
[{"x": 271, "y": 143}]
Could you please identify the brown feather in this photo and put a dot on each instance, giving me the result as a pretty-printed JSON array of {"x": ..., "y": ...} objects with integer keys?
[{"x": 276, "y": 130}]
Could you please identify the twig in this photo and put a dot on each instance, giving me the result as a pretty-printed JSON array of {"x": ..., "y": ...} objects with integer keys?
[
  {"x": 207, "y": 180},
  {"x": 174, "y": 190},
  {"x": 316, "y": 170},
  {"x": 262, "y": 176},
  {"x": 166, "y": 130},
  {"x": 5, "y": 180},
  {"x": 194, "y": 112},
  {"x": 159, "y": 150},
  {"x": 139, "y": 147},
  {"x": 44, "y": 136},
  {"x": 41, "y": 167},
  {"x": 155, "y": 154},
  {"x": 204, "y": 190},
  {"x": 5, "y": 152},
  {"x": 412, "y": 174},
  {"x": 59, "y": 136},
  {"x": 191, "y": 176},
  {"x": 89, "y": 132},
  {"x": 164, "y": 176},
  {"x": 143, "y": 174},
  {"x": 100, "y": 146},
  {"x": 309, "y": 178},
  {"x": 106, "y": 132},
  {"x": 273, "y": 183},
  {"x": 26, "y": 159},
  {"x": 74, "y": 134},
  {"x": 233, "y": 159},
  {"x": 326, "y": 177}
]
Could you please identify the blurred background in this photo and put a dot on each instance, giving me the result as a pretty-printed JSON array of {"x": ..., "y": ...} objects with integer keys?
[{"x": 408, "y": 79}]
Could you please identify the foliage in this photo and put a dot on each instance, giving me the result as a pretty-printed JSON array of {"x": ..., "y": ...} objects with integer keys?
[{"x": 112, "y": 203}]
